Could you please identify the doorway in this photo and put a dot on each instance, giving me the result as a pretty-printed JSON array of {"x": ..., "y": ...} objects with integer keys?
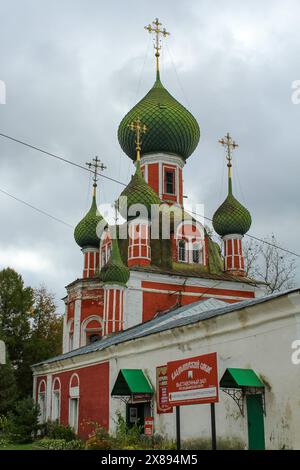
[
  {"x": 256, "y": 430},
  {"x": 136, "y": 413}
]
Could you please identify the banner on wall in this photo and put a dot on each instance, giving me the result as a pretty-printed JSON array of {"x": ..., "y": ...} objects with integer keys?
[{"x": 162, "y": 399}]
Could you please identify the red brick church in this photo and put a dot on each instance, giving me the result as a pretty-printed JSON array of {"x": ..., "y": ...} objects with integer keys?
[{"x": 156, "y": 259}]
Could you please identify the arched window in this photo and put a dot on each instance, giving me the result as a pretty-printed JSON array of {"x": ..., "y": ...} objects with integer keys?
[
  {"x": 56, "y": 400},
  {"x": 181, "y": 251},
  {"x": 42, "y": 401},
  {"x": 91, "y": 330},
  {"x": 105, "y": 248},
  {"x": 74, "y": 402}
]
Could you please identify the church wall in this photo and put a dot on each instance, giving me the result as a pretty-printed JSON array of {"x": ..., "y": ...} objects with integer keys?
[
  {"x": 258, "y": 338},
  {"x": 93, "y": 382},
  {"x": 159, "y": 297}
]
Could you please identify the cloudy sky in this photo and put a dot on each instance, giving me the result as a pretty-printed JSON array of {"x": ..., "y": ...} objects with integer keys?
[{"x": 73, "y": 68}]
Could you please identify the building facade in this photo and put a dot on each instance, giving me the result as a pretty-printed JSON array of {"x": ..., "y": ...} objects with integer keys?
[{"x": 157, "y": 287}]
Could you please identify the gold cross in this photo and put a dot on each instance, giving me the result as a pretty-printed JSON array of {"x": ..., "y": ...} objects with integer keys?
[
  {"x": 95, "y": 166},
  {"x": 230, "y": 145},
  {"x": 139, "y": 129},
  {"x": 155, "y": 28}
]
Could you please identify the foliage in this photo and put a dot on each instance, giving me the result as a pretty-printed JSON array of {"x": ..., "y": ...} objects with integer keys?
[
  {"x": 99, "y": 439},
  {"x": 4, "y": 442},
  {"x": 60, "y": 444},
  {"x": 129, "y": 437},
  {"x": 29, "y": 326},
  {"x": 5, "y": 426},
  {"x": 24, "y": 421},
  {"x": 270, "y": 265},
  {"x": 57, "y": 431},
  {"x": 8, "y": 389}
]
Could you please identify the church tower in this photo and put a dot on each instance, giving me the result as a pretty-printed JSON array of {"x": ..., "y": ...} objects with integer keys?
[
  {"x": 173, "y": 137},
  {"x": 232, "y": 221},
  {"x": 87, "y": 230}
]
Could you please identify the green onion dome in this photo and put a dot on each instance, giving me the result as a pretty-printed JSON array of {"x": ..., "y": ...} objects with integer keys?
[
  {"x": 231, "y": 217},
  {"x": 171, "y": 127},
  {"x": 137, "y": 192},
  {"x": 115, "y": 271},
  {"x": 85, "y": 232}
]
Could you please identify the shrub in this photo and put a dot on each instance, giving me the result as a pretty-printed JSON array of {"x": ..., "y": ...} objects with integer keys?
[
  {"x": 55, "y": 430},
  {"x": 129, "y": 437},
  {"x": 24, "y": 421},
  {"x": 99, "y": 439},
  {"x": 60, "y": 444}
]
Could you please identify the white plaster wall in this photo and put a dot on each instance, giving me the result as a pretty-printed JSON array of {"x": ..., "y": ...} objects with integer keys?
[
  {"x": 258, "y": 338},
  {"x": 77, "y": 316},
  {"x": 133, "y": 301}
]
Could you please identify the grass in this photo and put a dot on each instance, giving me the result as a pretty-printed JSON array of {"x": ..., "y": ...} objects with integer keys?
[{"x": 29, "y": 446}]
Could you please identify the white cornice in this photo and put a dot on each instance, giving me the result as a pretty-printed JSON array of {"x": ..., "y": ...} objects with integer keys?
[{"x": 171, "y": 158}]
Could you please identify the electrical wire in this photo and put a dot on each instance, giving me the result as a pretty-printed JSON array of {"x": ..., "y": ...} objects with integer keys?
[{"x": 261, "y": 240}]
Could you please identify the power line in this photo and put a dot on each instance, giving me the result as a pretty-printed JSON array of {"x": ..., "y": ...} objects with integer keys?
[
  {"x": 53, "y": 155},
  {"x": 41, "y": 211},
  {"x": 65, "y": 160}
]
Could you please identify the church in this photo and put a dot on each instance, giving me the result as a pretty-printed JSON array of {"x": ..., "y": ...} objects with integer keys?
[{"x": 155, "y": 286}]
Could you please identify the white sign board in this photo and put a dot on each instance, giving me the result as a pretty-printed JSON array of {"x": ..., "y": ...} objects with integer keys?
[{"x": 2, "y": 352}]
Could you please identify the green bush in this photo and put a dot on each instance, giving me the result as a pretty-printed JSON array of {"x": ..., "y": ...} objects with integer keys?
[
  {"x": 55, "y": 430},
  {"x": 99, "y": 439},
  {"x": 60, "y": 444},
  {"x": 24, "y": 421}
]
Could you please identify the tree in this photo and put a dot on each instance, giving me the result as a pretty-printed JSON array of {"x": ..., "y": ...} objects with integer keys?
[
  {"x": 265, "y": 262},
  {"x": 16, "y": 303},
  {"x": 8, "y": 388},
  {"x": 29, "y": 325},
  {"x": 45, "y": 336}
]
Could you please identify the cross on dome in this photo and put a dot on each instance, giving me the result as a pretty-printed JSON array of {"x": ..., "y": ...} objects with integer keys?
[
  {"x": 139, "y": 129},
  {"x": 158, "y": 32},
  {"x": 96, "y": 165}
]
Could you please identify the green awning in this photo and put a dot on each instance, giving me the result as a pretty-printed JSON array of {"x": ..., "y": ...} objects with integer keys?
[
  {"x": 131, "y": 381},
  {"x": 239, "y": 378}
]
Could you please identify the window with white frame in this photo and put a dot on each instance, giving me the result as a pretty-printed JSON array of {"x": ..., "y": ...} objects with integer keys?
[
  {"x": 73, "y": 417},
  {"x": 197, "y": 254},
  {"x": 74, "y": 402},
  {"x": 42, "y": 401},
  {"x": 181, "y": 251},
  {"x": 55, "y": 409}
]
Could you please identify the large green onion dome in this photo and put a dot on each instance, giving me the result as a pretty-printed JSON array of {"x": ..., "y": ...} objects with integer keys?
[
  {"x": 137, "y": 192},
  {"x": 85, "y": 232},
  {"x": 115, "y": 271},
  {"x": 231, "y": 217},
  {"x": 171, "y": 127}
]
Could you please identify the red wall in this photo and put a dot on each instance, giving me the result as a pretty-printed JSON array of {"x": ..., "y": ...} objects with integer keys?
[
  {"x": 93, "y": 397},
  {"x": 154, "y": 302}
]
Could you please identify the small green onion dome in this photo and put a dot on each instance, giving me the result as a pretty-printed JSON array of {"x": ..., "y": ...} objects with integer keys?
[
  {"x": 115, "y": 271},
  {"x": 137, "y": 192},
  {"x": 231, "y": 217},
  {"x": 171, "y": 127},
  {"x": 85, "y": 232}
]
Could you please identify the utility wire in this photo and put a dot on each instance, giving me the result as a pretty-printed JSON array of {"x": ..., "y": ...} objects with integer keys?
[
  {"x": 35, "y": 208},
  {"x": 115, "y": 181},
  {"x": 65, "y": 160}
]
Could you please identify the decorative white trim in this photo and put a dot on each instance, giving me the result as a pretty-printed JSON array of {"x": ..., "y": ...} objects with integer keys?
[
  {"x": 168, "y": 158},
  {"x": 83, "y": 336},
  {"x": 77, "y": 317},
  {"x": 48, "y": 396}
]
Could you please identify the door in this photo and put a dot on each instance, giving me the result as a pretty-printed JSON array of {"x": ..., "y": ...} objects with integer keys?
[
  {"x": 136, "y": 414},
  {"x": 256, "y": 430}
]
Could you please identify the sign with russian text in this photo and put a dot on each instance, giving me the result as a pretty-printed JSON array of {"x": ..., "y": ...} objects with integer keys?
[
  {"x": 193, "y": 381},
  {"x": 162, "y": 399},
  {"x": 148, "y": 426}
]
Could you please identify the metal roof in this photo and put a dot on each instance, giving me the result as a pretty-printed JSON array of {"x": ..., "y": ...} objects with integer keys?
[{"x": 193, "y": 313}]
